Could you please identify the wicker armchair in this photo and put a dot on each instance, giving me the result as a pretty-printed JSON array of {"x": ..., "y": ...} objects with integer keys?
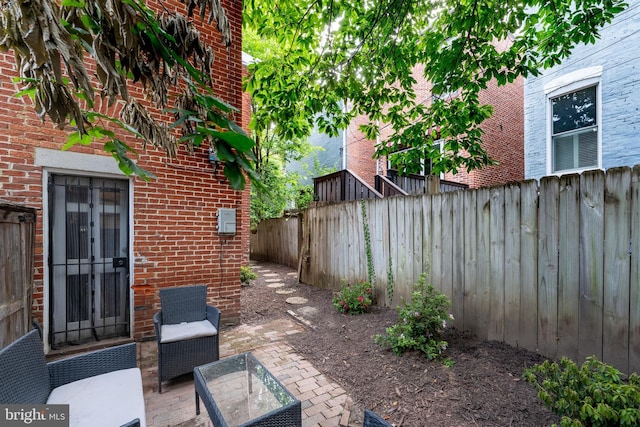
[
  {"x": 371, "y": 419},
  {"x": 186, "y": 331},
  {"x": 27, "y": 379}
]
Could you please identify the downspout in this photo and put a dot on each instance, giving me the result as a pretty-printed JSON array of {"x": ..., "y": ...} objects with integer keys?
[
  {"x": 344, "y": 139},
  {"x": 378, "y": 143}
]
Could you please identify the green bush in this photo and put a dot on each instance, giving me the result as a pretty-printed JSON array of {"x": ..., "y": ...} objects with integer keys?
[
  {"x": 593, "y": 395},
  {"x": 354, "y": 299},
  {"x": 247, "y": 274},
  {"x": 420, "y": 322}
]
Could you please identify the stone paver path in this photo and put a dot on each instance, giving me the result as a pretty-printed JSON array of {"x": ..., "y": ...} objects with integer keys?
[{"x": 275, "y": 285}]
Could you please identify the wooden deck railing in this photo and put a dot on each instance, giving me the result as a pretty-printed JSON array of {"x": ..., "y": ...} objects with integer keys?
[
  {"x": 446, "y": 186},
  {"x": 345, "y": 185},
  {"x": 387, "y": 188},
  {"x": 420, "y": 184},
  {"x": 342, "y": 186}
]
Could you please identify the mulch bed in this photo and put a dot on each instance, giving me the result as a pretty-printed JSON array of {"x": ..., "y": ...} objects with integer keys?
[{"x": 484, "y": 387}]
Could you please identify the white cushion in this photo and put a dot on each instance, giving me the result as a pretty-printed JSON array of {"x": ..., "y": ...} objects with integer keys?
[
  {"x": 187, "y": 330},
  {"x": 106, "y": 400}
]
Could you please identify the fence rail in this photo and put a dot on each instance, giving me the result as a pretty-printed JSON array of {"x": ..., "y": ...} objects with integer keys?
[{"x": 553, "y": 267}]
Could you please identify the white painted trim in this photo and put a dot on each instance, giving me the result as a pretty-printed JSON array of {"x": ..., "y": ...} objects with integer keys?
[
  {"x": 45, "y": 263},
  {"x": 130, "y": 269},
  {"x": 56, "y": 161},
  {"x": 586, "y": 77},
  {"x": 345, "y": 140},
  {"x": 77, "y": 162},
  {"x": 572, "y": 78},
  {"x": 547, "y": 131}
]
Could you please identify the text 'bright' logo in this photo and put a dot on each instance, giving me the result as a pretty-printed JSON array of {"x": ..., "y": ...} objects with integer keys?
[
  {"x": 27, "y": 416},
  {"x": 38, "y": 415}
]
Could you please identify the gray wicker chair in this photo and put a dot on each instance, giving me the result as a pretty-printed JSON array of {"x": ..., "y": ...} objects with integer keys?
[
  {"x": 28, "y": 379},
  {"x": 179, "y": 305},
  {"x": 371, "y": 419}
]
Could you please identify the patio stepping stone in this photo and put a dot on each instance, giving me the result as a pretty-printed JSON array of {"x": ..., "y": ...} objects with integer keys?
[
  {"x": 275, "y": 285},
  {"x": 296, "y": 300},
  {"x": 285, "y": 291},
  {"x": 308, "y": 311}
]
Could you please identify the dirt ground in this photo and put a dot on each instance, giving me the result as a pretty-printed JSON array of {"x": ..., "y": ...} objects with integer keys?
[{"x": 482, "y": 388}]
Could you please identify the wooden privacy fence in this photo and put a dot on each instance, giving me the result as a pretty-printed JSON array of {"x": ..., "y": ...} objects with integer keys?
[
  {"x": 553, "y": 267},
  {"x": 17, "y": 243},
  {"x": 277, "y": 240}
]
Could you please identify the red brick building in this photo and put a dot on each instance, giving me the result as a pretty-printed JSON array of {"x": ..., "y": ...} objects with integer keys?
[
  {"x": 503, "y": 139},
  {"x": 106, "y": 243}
]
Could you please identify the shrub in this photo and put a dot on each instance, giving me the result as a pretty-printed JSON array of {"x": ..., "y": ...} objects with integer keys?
[
  {"x": 593, "y": 395},
  {"x": 354, "y": 299},
  {"x": 247, "y": 274},
  {"x": 420, "y": 322}
]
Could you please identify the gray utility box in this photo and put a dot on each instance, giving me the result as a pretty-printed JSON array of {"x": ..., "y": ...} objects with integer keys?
[{"x": 226, "y": 221}]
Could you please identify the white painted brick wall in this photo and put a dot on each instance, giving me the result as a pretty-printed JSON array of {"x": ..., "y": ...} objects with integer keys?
[{"x": 618, "y": 52}]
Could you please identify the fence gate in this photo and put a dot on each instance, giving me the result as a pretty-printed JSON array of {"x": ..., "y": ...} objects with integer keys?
[
  {"x": 17, "y": 242},
  {"x": 88, "y": 265}
]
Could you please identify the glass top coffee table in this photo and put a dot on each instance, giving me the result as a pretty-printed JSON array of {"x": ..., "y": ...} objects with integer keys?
[{"x": 240, "y": 391}]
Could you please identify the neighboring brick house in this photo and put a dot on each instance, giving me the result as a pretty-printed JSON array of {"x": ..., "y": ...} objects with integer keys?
[
  {"x": 106, "y": 243},
  {"x": 246, "y": 98},
  {"x": 503, "y": 139},
  {"x": 584, "y": 113}
]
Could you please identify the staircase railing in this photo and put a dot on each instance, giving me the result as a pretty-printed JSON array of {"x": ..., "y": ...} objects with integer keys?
[
  {"x": 387, "y": 188},
  {"x": 345, "y": 185},
  {"x": 342, "y": 186}
]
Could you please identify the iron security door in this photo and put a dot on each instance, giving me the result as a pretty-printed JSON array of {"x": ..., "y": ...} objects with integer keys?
[{"x": 89, "y": 245}]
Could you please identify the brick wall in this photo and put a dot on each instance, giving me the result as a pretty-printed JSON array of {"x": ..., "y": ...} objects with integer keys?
[
  {"x": 503, "y": 137},
  {"x": 616, "y": 53},
  {"x": 246, "y": 211},
  {"x": 175, "y": 241},
  {"x": 246, "y": 99},
  {"x": 360, "y": 151}
]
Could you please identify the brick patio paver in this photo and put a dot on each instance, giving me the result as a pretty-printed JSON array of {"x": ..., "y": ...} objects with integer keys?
[{"x": 323, "y": 401}]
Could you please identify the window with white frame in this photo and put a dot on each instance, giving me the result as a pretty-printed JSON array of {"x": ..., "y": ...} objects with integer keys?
[{"x": 574, "y": 130}]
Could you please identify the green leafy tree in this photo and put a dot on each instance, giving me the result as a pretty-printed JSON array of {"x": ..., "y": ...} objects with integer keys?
[
  {"x": 368, "y": 55},
  {"x": 304, "y": 193},
  {"x": 128, "y": 42},
  {"x": 279, "y": 191},
  {"x": 274, "y": 145},
  {"x": 272, "y": 198}
]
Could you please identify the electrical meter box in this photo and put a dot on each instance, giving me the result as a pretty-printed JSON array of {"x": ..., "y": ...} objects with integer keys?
[{"x": 226, "y": 221}]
